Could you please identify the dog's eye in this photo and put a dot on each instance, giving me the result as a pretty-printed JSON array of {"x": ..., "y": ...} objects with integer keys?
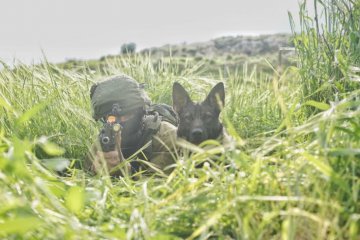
[
  {"x": 208, "y": 115},
  {"x": 188, "y": 117}
]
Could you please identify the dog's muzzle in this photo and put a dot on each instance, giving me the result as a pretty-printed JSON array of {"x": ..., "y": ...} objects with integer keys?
[{"x": 197, "y": 135}]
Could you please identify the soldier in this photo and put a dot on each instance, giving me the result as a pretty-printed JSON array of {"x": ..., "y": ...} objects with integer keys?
[{"x": 147, "y": 131}]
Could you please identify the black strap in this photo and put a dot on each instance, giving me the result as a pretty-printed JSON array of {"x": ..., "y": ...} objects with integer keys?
[{"x": 151, "y": 125}]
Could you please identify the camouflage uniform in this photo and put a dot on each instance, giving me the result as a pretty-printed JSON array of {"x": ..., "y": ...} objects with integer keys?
[
  {"x": 162, "y": 157},
  {"x": 164, "y": 150},
  {"x": 126, "y": 92}
]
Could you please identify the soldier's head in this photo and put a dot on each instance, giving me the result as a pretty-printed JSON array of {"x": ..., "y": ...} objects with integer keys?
[
  {"x": 122, "y": 90},
  {"x": 131, "y": 99}
]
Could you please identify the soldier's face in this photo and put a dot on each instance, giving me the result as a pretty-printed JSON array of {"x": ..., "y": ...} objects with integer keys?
[{"x": 132, "y": 125}]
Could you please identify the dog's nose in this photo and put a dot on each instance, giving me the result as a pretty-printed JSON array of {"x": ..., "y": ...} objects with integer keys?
[{"x": 197, "y": 133}]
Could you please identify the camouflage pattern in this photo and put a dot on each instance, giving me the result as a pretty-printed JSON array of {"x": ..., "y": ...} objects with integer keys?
[
  {"x": 164, "y": 149},
  {"x": 120, "y": 89}
]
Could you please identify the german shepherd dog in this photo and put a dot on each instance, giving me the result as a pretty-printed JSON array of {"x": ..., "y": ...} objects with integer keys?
[{"x": 199, "y": 121}]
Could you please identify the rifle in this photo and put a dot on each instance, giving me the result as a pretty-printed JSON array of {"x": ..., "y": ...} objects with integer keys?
[{"x": 111, "y": 129}]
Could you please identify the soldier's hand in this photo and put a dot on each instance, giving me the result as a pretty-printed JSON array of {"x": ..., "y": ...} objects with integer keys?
[{"x": 110, "y": 158}]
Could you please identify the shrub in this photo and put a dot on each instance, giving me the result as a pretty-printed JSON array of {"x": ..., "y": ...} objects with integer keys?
[{"x": 128, "y": 48}]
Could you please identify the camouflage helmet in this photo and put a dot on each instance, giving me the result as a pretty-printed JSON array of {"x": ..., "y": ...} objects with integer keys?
[{"x": 121, "y": 90}]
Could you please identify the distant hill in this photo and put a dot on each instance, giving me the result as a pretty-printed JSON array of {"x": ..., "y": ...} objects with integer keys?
[
  {"x": 230, "y": 53},
  {"x": 230, "y": 45}
]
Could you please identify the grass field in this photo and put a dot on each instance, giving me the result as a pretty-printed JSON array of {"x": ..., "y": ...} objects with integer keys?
[{"x": 295, "y": 159}]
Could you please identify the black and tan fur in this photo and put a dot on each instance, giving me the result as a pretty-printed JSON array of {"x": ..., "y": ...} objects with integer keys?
[{"x": 199, "y": 121}]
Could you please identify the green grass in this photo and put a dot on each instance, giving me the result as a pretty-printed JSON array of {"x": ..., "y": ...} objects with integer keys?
[
  {"x": 294, "y": 164},
  {"x": 328, "y": 45}
]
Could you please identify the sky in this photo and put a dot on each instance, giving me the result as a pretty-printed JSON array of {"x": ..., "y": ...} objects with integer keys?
[{"x": 89, "y": 29}]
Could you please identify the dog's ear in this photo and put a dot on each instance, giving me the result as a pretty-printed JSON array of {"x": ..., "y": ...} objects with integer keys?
[
  {"x": 180, "y": 97},
  {"x": 216, "y": 97}
]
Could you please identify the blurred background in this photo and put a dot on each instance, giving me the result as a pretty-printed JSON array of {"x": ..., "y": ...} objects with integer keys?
[{"x": 82, "y": 29}]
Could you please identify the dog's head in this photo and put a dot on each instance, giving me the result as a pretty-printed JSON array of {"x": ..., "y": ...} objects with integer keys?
[{"x": 199, "y": 121}]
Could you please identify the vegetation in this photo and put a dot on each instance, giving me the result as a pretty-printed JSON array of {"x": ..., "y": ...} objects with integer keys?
[
  {"x": 228, "y": 54},
  {"x": 329, "y": 48},
  {"x": 235, "y": 45},
  {"x": 292, "y": 172},
  {"x": 128, "y": 48}
]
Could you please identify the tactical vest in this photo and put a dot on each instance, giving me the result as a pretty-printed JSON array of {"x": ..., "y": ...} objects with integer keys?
[{"x": 155, "y": 113}]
